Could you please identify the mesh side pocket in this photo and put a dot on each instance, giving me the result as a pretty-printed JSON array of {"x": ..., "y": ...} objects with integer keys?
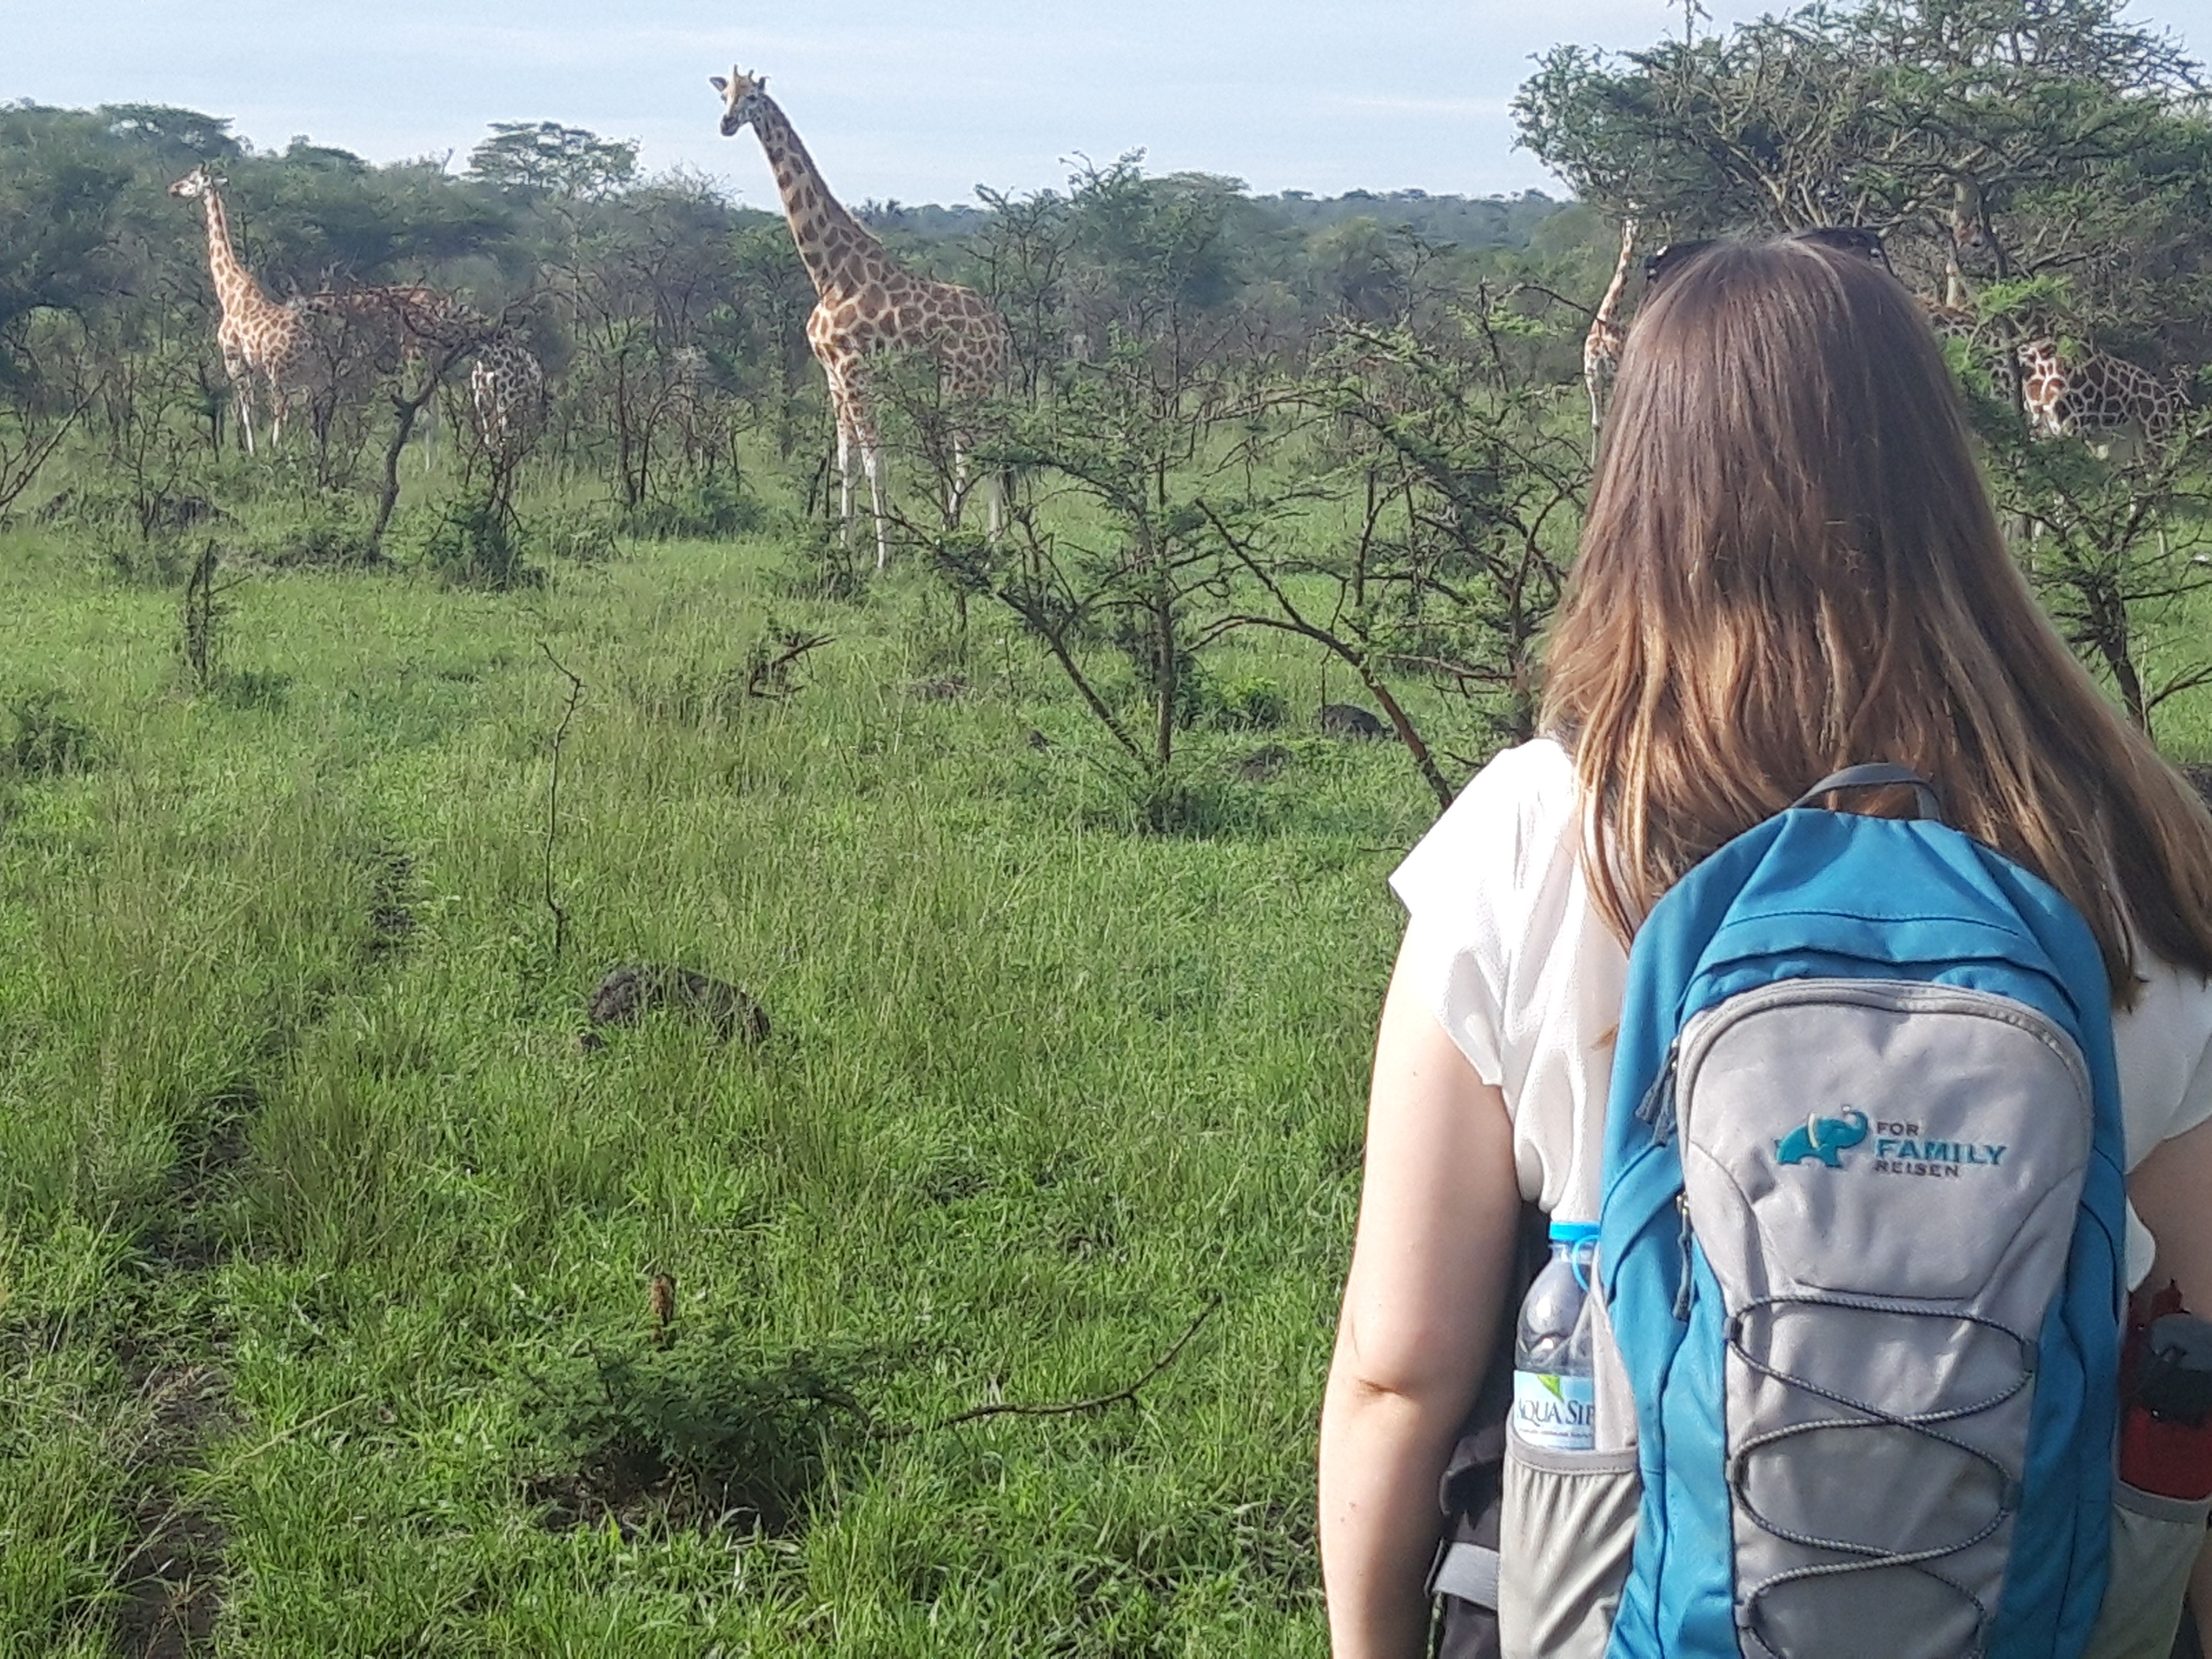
[
  {"x": 2154, "y": 1544},
  {"x": 1569, "y": 1529}
]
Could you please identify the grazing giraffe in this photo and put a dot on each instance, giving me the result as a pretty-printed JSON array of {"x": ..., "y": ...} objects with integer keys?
[
  {"x": 409, "y": 324},
  {"x": 506, "y": 396},
  {"x": 1602, "y": 346},
  {"x": 866, "y": 305},
  {"x": 412, "y": 321},
  {"x": 260, "y": 340},
  {"x": 2094, "y": 395}
]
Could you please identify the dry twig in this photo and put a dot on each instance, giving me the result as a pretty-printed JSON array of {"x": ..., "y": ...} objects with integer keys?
[{"x": 553, "y": 801}]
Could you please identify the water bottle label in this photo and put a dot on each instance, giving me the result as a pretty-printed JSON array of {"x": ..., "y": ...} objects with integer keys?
[{"x": 1555, "y": 1413}]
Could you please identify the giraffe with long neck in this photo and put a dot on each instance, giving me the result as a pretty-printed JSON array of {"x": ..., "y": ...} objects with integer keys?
[
  {"x": 1602, "y": 346},
  {"x": 262, "y": 342},
  {"x": 865, "y": 304}
]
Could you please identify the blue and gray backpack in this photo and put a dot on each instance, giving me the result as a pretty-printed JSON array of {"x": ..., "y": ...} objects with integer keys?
[{"x": 1862, "y": 1250}]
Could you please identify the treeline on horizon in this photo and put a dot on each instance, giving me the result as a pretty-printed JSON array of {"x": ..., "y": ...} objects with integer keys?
[{"x": 311, "y": 216}]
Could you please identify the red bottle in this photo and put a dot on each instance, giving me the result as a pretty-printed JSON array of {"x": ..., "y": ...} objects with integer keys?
[{"x": 2166, "y": 1387}]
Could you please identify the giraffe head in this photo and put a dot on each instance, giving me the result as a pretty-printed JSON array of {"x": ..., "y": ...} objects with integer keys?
[
  {"x": 742, "y": 97},
  {"x": 194, "y": 184}
]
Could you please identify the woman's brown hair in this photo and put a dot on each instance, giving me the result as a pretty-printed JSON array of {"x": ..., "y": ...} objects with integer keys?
[{"x": 1790, "y": 566}]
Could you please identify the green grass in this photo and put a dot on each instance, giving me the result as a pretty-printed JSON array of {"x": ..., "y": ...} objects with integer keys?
[
  {"x": 325, "y": 1252},
  {"x": 1039, "y": 1089}
]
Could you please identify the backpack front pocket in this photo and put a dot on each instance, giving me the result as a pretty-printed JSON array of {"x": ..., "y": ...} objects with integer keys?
[{"x": 1884, "y": 1180}]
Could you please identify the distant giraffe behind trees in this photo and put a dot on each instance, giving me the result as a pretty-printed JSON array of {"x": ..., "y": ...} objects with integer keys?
[
  {"x": 506, "y": 397},
  {"x": 417, "y": 325},
  {"x": 1602, "y": 346},
  {"x": 264, "y": 345},
  {"x": 2091, "y": 394},
  {"x": 404, "y": 326},
  {"x": 868, "y": 305}
]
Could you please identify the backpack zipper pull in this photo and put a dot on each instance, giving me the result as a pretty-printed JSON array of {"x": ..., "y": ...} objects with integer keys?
[
  {"x": 1682, "y": 1287},
  {"x": 1656, "y": 1108}
]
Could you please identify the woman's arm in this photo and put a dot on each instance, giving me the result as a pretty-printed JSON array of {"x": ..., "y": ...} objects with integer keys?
[
  {"x": 1436, "y": 1217},
  {"x": 2171, "y": 1191}
]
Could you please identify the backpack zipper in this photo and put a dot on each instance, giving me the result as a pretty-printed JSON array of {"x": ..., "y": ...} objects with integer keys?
[
  {"x": 1683, "y": 1285},
  {"x": 1656, "y": 1108}
]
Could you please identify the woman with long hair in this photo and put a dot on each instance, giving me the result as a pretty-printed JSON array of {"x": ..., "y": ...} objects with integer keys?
[{"x": 1790, "y": 566}]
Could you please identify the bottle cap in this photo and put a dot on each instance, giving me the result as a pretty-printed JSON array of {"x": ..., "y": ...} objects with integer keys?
[{"x": 1574, "y": 1232}]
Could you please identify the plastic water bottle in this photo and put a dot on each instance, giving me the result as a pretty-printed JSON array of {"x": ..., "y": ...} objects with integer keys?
[{"x": 1554, "y": 1395}]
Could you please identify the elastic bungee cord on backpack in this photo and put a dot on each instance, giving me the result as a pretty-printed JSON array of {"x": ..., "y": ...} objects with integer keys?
[{"x": 1871, "y": 1558}]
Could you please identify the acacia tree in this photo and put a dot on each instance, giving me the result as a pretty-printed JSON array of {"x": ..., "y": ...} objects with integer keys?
[
  {"x": 547, "y": 156},
  {"x": 1156, "y": 459},
  {"x": 2048, "y": 153},
  {"x": 1952, "y": 124},
  {"x": 1466, "y": 493}
]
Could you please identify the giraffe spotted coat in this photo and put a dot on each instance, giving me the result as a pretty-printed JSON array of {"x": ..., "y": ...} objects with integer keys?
[
  {"x": 1601, "y": 346},
  {"x": 866, "y": 305},
  {"x": 2094, "y": 395},
  {"x": 264, "y": 344}
]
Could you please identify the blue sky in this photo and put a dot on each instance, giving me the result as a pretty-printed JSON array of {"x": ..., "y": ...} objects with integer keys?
[{"x": 906, "y": 101}]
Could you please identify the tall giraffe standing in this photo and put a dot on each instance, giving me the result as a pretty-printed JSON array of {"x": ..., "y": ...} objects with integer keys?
[
  {"x": 261, "y": 341},
  {"x": 1602, "y": 346},
  {"x": 865, "y": 304}
]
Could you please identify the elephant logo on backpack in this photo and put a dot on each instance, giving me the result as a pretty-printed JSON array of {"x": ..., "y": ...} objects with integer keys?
[{"x": 1824, "y": 1138}]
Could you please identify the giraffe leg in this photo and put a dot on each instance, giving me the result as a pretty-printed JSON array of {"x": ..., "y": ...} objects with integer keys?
[
  {"x": 861, "y": 417},
  {"x": 844, "y": 468},
  {"x": 241, "y": 391},
  {"x": 994, "y": 499},
  {"x": 956, "y": 499},
  {"x": 871, "y": 459}
]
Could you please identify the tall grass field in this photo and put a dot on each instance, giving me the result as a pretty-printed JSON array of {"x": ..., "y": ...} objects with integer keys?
[{"x": 350, "y": 1305}]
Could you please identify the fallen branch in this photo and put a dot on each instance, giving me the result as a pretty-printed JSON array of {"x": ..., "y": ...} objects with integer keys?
[
  {"x": 1066, "y": 1408},
  {"x": 768, "y": 673}
]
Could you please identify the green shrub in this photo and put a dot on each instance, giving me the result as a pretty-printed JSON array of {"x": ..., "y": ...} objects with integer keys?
[
  {"x": 582, "y": 535},
  {"x": 325, "y": 531},
  {"x": 1253, "y": 703},
  {"x": 472, "y": 542},
  {"x": 47, "y": 740},
  {"x": 696, "y": 1433},
  {"x": 713, "y": 508}
]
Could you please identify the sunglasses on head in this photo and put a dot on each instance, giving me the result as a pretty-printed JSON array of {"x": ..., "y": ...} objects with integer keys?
[{"x": 1852, "y": 239}]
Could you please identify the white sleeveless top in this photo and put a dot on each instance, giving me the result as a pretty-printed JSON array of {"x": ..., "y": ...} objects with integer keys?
[{"x": 1504, "y": 945}]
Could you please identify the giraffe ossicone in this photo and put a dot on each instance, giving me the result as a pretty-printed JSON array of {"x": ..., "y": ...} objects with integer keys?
[{"x": 866, "y": 305}]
